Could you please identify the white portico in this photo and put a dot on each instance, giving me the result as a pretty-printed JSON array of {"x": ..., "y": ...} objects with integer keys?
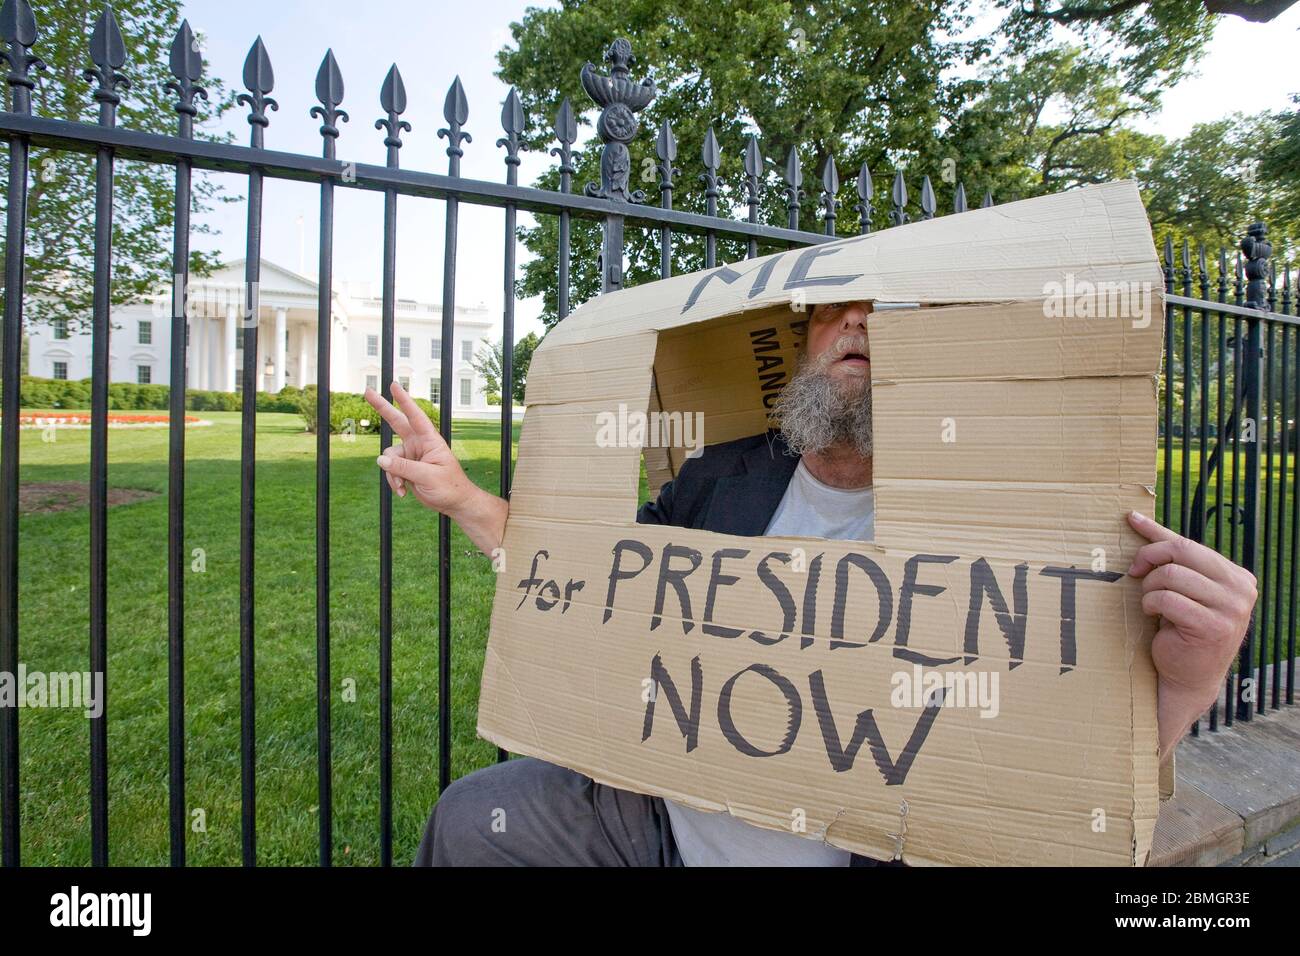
[{"x": 139, "y": 346}]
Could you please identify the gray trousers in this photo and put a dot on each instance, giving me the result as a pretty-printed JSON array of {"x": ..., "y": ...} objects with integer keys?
[{"x": 527, "y": 812}]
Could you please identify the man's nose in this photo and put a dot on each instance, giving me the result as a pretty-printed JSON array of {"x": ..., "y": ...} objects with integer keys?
[{"x": 854, "y": 316}]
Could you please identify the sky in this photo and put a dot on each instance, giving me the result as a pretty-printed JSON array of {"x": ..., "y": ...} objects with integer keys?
[{"x": 1247, "y": 68}]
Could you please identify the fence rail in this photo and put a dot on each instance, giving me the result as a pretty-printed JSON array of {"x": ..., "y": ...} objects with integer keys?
[{"x": 1241, "y": 336}]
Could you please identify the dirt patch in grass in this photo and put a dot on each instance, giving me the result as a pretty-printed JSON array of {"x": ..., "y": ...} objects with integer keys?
[{"x": 47, "y": 497}]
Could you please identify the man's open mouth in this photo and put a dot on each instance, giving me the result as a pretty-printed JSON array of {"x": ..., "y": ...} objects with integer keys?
[{"x": 854, "y": 356}]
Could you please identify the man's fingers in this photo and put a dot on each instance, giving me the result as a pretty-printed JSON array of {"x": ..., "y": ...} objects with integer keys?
[
  {"x": 420, "y": 422},
  {"x": 398, "y": 451},
  {"x": 415, "y": 472},
  {"x": 1149, "y": 528},
  {"x": 1187, "y": 582},
  {"x": 1190, "y": 617},
  {"x": 393, "y": 416},
  {"x": 1181, "y": 551}
]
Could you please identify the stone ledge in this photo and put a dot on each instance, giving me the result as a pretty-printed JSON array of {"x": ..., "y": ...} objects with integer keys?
[{"x": 1237, "y": 788}]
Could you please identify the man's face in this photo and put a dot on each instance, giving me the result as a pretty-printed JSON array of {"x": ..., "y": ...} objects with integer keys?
[
  {"x": 837, "y": 342},
  {"x": 827, "y": 401}
]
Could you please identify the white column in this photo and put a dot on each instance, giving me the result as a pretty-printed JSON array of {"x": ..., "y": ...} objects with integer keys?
[
  {"x": 339, "y": 378},
  {"x": 259, "y": 383},
  {"x": 303, "y": 340},
  {"x": 212, "y": 339},
  {"x": 198, "y": 352},
  {"x": 279, "y": 352},
  {"x": 232, "y": 357}
]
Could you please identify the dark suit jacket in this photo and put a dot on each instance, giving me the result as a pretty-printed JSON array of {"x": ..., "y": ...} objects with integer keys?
[{"x": 732, "y": 488}]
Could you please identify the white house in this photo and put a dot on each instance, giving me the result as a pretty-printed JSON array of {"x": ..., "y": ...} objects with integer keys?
[{"x": 140, "y": 342}]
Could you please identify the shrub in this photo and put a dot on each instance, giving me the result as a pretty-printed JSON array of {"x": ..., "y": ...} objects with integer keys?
[
  {"x": 348, "y": 411},
  {"x": 57, "y": 393}
]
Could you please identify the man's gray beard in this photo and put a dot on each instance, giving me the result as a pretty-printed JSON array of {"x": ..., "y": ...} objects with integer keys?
[{"x": 815, "y": 411}]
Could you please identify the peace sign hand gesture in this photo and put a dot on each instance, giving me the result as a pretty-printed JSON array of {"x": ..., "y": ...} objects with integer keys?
[{"x": 425, "y": 464}]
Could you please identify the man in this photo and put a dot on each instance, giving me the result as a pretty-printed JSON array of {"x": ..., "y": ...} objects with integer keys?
[{"x": 810, "y": 478}]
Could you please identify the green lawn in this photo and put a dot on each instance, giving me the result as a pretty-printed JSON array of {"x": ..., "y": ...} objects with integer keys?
[{"x": 54, "y": 627}]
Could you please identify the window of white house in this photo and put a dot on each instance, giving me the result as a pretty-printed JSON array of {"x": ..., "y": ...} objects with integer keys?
[
  {"x": 143, "y": 374},
  {"x": 465, "y": 387},
  {"x": 372, "y": 345},
  {"x": 187, "y": 333},
  {"x": 467, "y": 350},
  {"x": 404, "y": 347},
  {"x": 372, "y": 381},
  {"x": 405, "y": 382},
  {"x": 61, "y": 329},
  {"x": 239, "y": 379},
  {"x": 435, "y": 391},
  {"x": 61, "y": 370},
  {"x": 239, "y": 338},
  {"x": 286, "y": 339},
  {"x": 436, "y": 350},
  {"x": 145, "y": 336}
]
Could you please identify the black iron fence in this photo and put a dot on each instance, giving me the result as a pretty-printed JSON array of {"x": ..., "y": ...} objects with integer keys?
[
  {"x": 1230, "y": 405},
  {"x": 1222, "y": 348}
]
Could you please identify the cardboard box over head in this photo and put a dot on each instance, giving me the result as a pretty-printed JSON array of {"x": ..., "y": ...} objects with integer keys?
[{"x": 973, "y": 686}]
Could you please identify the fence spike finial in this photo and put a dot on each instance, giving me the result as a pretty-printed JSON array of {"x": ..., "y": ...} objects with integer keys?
[
  {"x": 107, "y": 53},
  {"x": 666, "y": 150},
  {"x": 566, "y": 131},
  {"x": 830, "y": 187},
  {"x": 866, "y": 192},
  {"x": 259, "y": 80},
  {"x": 392, "y": 100},
  {"x": 959, "y": 198},
  {"x": 793, "y": 182},
  {"x": 17, "y": 23},
  {"x": 455, "y": 110},
  {"x": 988, "y": 199},
  {"x": 711, "y": 157},
  {"x": 186, "y": 64},
  {"x": 566, "y": 127},
  {"x": 329, "y": 90},
  {"x": 898, "y": 194},
  {"x": 753, "y": 175},
  {"x": 928, "y": 204},
  {"x": 513, "y": 122},
  {"x": 18, "y": 29}
]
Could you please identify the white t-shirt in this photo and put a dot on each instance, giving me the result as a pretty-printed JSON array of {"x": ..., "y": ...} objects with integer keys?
[{"x": 809, "y": 509}]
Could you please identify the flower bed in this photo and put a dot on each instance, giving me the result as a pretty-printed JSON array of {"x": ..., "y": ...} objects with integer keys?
[{"x": 115, "y": 420}]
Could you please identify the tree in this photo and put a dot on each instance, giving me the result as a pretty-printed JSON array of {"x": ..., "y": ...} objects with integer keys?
[
  {"x": 1017, "y": 108},
  {"x": 61, "y": 197},
  {"x": 490, "y": 360},
  {"x": 862, "y": 84},
  {"x": 1278, "y": 174}
]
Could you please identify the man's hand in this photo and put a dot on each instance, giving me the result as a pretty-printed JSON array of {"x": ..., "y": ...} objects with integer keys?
[
  {"x": 424, "y": 464},
  {"x": 1204, "y": 603}
]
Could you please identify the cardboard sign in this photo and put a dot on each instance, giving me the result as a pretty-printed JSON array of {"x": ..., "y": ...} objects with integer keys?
[{"x": 975, "y": 685}]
